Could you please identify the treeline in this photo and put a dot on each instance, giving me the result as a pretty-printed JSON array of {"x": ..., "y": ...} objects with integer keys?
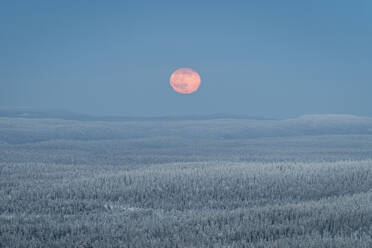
[
  {"x": 26, "y": 130},
  {"x": 158, "y": 150}
]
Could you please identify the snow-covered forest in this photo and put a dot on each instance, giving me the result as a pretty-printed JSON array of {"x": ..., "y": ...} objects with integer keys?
[{"x": 303, "y": 182}]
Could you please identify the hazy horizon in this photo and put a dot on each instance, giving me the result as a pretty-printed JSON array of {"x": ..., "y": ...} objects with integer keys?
[{"x": 73, "y": 115}]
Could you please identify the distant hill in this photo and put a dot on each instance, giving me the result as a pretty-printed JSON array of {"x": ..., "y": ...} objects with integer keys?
[
  {"x": 66, "y": 115},
  {"x": 25, "y": 127},
  {"x": 35, "y": 114}
]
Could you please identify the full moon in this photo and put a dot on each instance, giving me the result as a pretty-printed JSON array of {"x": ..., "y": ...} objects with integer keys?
[{"x": 185, "y": 80}]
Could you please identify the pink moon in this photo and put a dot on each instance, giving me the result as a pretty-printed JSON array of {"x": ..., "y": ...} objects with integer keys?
[{"x": 185, "y": 80}]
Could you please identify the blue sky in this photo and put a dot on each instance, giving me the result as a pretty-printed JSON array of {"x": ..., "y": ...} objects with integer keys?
[{"x": 262, "y": 58}]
